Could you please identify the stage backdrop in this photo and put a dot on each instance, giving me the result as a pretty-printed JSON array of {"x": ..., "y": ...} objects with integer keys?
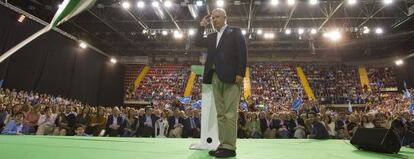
[{"x": 54, "y": 64}]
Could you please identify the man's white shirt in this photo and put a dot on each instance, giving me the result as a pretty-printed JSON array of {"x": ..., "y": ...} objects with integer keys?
[{"x": 220, "y": 33}]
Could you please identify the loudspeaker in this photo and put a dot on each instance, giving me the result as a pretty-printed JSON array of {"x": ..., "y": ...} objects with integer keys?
[{"x": 376, "y": 139}]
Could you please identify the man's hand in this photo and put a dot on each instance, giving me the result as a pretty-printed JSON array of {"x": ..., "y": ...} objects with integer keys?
[
  {"x": 239, "y": 79},
  {"x": 204, "y": 22}
]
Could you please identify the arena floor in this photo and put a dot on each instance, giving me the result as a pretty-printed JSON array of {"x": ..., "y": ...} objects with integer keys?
[{"x": 41, "y": 147}]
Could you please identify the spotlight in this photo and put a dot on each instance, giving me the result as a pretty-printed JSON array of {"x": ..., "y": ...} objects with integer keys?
[
  {"x": 167, "y": 4},
  {"x": 399, "y": 62},
  {"x": 259, "y": 31},
  {"x": 199, "y": 3},
  {"x": 178, "y": 35},
  {"x": 140, "y": 4},
  {"x": 244, "y": 32},
  {"x": 314, "y": 31},
  {"x": 126, "y": 5},
  {"x": 113, "y": 60},
  {"x": 269, "y": 35},
  {"x": 326, "y": 35},
  {"x": 288, "y": 31},
  {"x": 291, "y": 2},
  {"x": 379, "y": 31},
  {"x": 388, "y": 1},
  {"x": 333, "y": 35},
  {"x": 366, "y": 30},
  {"x": 21, "y": 18},
  {"x": 301, "y": 31},
  {"x": 191, "y": 32},
  {"x": 83, "y": 45},
  {"x": 274, "y": 2},
  {"x": 220, "y": 3},
  {"x": 155, "y": 4},
  {"x": 352, "y": 2},
  {"x": 164, "y": 32},
  {"x": 144, "y": 31},
  {"x": 313, "y": 2}
]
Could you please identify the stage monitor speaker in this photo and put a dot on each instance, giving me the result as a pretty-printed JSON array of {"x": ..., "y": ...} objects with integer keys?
[{"x": 376, "y": 139}]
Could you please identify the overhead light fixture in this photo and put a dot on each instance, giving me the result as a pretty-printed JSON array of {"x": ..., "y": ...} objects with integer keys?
[
  {"x": 379, "y": 31},
  {"x": 155, "y": 4},
  {"x": 178, "y": 35},
  {"x": 333, "y": 35},
  {"x": 259, "y": 31},
  {"x": 352, "y": 2},
  {"x": 83, "y": 45},
  {"x": 243, "y": 31},
  {"x": 164, "y": 32},
  {"x": 220, "y": 3},
  {"x": 126, "y": 4},
  {"x": 313, "y": 2},
  {"x": 269, "y": 35},
  {"x": 399, "y": 62},
  {"x": 140, "y": 4},
  {"x": 168, "y": 4},
  {"x": 388, "y": 1},
  {"x": 199, "y": 3},
  {"x": 113, "y": 60},
  {"x": 291, "y": 2},
  {"x": 274, "y": 2},
  {"x": 144, "y": 31},
  {"x": 288, "y": 31},
  {"x": 190, "y": 32},
  {"x": 301, "y": 31},
  {"x": 314, "y": 31},
  {"x": 21, "y": 18},
  {"x": 366, "y": 30},
  {"x": 336, "y": 35}
]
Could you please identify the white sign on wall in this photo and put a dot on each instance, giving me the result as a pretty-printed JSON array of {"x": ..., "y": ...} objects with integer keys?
[{"x": 134, "y": 59}]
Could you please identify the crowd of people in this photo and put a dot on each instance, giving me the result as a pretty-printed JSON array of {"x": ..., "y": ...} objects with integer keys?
[
  {"x": 29, "y": 113},
  {"x": 381, "y": 78},
  {"x": 322, "y": 122},
  {"x": 274, "y": 84},
  {"x": 163, "y": 82},
  {"x": 334, "y": 83}
]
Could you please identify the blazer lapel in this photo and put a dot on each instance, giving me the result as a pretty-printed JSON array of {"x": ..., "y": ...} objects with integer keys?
[
  {"x": 214, "y": 36},
  {"x": 226, "y": 33}
]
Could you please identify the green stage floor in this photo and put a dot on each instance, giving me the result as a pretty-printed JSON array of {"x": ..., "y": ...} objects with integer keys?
[{"x": 41, "y": 147}]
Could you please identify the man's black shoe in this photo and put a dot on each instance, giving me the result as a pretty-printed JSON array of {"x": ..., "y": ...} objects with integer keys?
[
  {"x": 223, "y": 153},
  {"x": 213, "y": 152}
]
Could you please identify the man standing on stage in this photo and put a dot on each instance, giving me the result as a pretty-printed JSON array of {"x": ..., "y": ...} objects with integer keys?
[{"x": 224, "y": 69}]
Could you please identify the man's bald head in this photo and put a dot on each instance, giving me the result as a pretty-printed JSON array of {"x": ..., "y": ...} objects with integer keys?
[
  {"x": 220, "y": 10},
  {"x": 219, "y": 17}
]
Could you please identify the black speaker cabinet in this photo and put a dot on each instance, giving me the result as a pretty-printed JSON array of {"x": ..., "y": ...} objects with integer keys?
[{"x": 376, "y": 139}]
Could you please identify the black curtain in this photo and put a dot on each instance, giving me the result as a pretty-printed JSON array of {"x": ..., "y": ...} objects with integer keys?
[{"x": 55, "y": 64}]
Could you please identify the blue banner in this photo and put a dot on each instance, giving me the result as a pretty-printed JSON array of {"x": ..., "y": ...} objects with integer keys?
[
  {"x": 196, "y": 105},
  {"x": 185, "y": 100},
  {"x": 349, "y": 107},
  {"x": 297, "y": 103}
]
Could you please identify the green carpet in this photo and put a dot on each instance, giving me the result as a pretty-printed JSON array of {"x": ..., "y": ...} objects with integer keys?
[{"x": 41, "y": 147}]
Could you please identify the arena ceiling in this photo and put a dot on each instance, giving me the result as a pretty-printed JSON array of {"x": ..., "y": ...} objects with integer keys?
[{"x": 141, "y": 30}]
